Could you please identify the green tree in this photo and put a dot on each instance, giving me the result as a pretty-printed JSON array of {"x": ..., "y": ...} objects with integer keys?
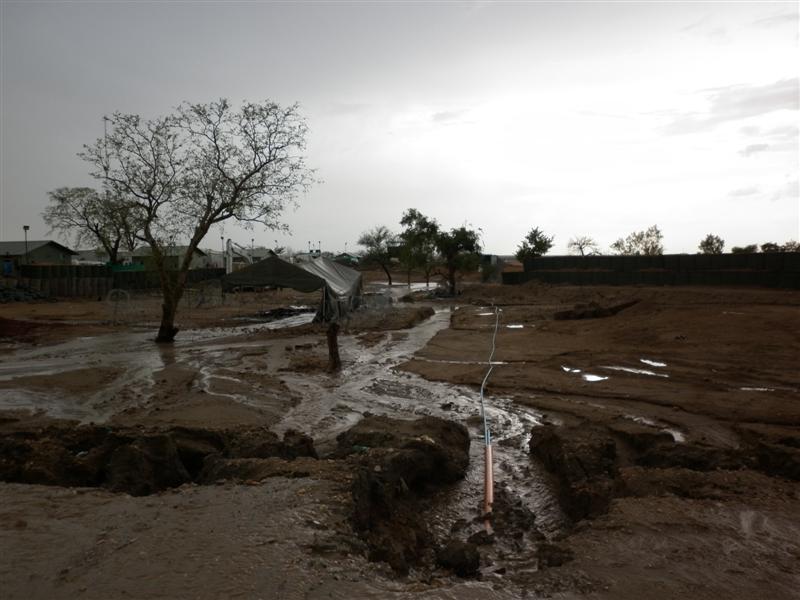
[
  {"x": 460, "y": 251},
  {"x": 712, "y": 244},
  {"x": 770, "y": 247},
  {"x": 641, "y": 243},
  {"x": 378, "y": 242},
  {"x": 791, "y": 246},
  {"x": 197, "y": 167},
  {"x": 536, "y": 243},
  {"x": 418, "y": 242},
  {"x": 749, "y": 249}
]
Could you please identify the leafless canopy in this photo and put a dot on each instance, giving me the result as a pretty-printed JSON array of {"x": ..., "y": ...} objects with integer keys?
[{"x": 202, "y": 165}]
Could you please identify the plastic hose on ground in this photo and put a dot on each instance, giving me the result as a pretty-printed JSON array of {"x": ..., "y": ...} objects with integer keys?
[{"x": 488, "y": 479}]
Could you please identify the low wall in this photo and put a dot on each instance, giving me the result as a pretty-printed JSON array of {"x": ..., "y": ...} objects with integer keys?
[{"x": 774, "y": 269}]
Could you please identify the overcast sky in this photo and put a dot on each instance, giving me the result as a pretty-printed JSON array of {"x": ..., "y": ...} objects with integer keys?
[{"x": 579, "y": 118}]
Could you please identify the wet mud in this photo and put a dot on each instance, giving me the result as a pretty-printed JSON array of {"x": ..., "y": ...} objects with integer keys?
[{"x": 652, "y": 452}]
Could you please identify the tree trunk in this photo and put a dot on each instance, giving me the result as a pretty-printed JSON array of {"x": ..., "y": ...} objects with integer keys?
[
  {"x": 167, "y": 331},
  {"x": 388, "y": 274},
  {"x": 451, "y": 280},
  {"x": 334, "y": 361}
]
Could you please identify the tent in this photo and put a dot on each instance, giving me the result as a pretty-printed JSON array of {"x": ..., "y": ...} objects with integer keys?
[{"x": 340, "y": 285}]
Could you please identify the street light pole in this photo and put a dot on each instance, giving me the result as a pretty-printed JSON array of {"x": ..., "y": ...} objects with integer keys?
[{"x": 25, "y": 228}]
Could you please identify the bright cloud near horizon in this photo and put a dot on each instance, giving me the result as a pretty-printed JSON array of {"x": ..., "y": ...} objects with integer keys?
[{"x": 578, "y": 118}]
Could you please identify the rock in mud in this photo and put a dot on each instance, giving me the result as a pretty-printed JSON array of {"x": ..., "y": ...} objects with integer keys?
[
  {"x": 460, "y": 557},
  {"x": 583, "y": 460}
]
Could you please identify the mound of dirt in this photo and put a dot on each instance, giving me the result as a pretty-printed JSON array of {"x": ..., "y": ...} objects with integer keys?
[
  {"x": 584, "y": 461},
  {"x": 593, "y": 310},
  {"x": 136, "y": 461},
  {"x": 399, "y": 463}
]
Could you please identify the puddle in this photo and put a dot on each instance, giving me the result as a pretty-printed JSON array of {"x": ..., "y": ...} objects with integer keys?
[
  {"x": 462, "y": 362},
  {"x": 676, "y": 434},
  {"x": 642, "y": 420},
  {"x": 586, "y": 376},
  {"x": 515, "y": 326},
  {"x": 485, "y": 314},
  {"x": 652, "y": 363},
  {"x": 635, "y": 371},
  {"x": 590, "y": 377},
  {"x": 757, "y": 389}
]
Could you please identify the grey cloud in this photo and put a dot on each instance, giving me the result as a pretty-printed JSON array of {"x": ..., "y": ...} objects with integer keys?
[
  {"x": 774, "y": 20},
  {"x": 754, "y": 149},
  {"x": 446, "y": 116},
  {"x": 744, "y": 192},
  {"x": 777, "y": 139},
  {"x": 739, "y": 102},
  {"x": 791, "y": 189}
]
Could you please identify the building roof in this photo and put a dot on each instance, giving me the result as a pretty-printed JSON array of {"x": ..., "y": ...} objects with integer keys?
[{"x": 18, "y": 248}]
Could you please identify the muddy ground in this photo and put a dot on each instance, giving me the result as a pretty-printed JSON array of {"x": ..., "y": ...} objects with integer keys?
[{"x": 647, "y": 444}]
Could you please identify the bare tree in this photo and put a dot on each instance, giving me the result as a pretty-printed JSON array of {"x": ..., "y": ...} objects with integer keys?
[
  {"x": 200, "y": 166},
  {"x": 712, "y": 244},
  {"x": 377, "y": 241},
  {"x": 583, "y": 245},
  {"x": 646, "y": 243},
  {"x": 91, "y": 217}
]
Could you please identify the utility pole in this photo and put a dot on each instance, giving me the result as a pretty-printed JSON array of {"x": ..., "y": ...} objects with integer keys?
[{"x": 25, "y": 228}]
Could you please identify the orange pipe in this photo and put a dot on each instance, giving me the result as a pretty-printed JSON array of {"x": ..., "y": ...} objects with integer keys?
[{"x": 488, "y": 482}]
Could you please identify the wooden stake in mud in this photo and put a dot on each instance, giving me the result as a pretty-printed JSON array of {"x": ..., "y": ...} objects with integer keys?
[{"x": 334, "y": 361}]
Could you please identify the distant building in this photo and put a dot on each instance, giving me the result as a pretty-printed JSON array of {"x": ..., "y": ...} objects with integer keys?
[
  {"x": 347, "y": 259},
  {"x": 38, "y": 252}
]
